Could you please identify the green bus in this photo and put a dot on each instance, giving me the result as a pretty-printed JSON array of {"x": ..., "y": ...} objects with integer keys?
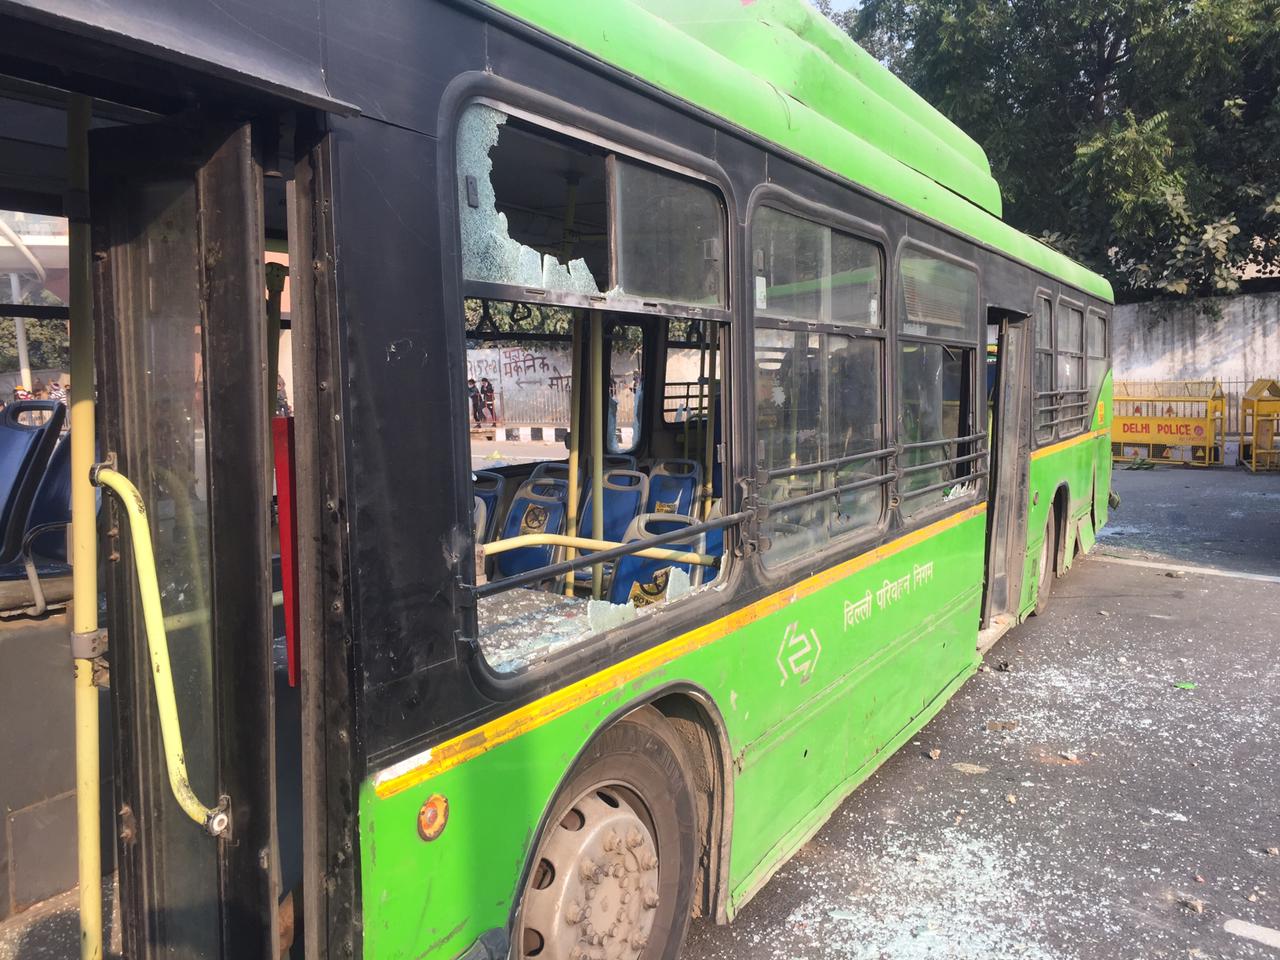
[{"x": 787, "y": 428}]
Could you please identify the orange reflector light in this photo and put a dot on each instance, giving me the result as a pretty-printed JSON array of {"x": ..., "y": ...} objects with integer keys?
[{"x": 432, "y": 817}]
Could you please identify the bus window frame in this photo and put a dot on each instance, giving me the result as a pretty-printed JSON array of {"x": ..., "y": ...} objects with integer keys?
[
  {"x": 538, "y": 108},
  {"x": 1095, "y": 388},
  {"x": 860, "y": 539},
  {"x": 1044, "y": 295},
  {"x": 980, "y": 457},
  {"x": 1073, "y": 424}
]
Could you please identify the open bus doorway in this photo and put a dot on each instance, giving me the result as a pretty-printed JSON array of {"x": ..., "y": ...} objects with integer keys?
[
  {"x": 1008, "y": 400},
  {"x": 186, "y": 400}
]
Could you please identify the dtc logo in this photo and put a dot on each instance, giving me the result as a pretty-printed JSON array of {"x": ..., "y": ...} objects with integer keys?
[{"x": 798, "y": 653}]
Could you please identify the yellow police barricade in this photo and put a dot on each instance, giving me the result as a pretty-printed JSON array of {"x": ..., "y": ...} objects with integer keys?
[
  {"x": 1168, "y": 421},
  {"x": 1260, "y": 426}
]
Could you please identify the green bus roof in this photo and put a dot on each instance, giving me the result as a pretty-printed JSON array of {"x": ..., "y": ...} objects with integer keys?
[{"x": 781, "y": 70}]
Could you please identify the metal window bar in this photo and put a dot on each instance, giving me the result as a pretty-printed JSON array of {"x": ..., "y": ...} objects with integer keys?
[
  {"x": 1076, "y": 420},
  {"x": 774, "y": 506},
  {"x": 942, "y": 484},
  {"x": 780, "y": 472},
  {"x": 480, "y": 591},
  {"x": 691, "y": 394},
  {"x": 923, "y": 444},
  {"x": 949, "y": 462},
  {"x": 947, "y": 465}
]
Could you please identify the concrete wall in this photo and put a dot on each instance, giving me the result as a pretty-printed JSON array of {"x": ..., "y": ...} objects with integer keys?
[{"x": 1230, "y": 338}]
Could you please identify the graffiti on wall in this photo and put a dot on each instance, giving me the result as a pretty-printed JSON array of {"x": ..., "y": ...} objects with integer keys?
[{"x": 532, "y": 383}]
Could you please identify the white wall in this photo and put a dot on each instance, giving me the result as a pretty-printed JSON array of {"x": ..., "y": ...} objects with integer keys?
[{"x": 1228, "y": 338}]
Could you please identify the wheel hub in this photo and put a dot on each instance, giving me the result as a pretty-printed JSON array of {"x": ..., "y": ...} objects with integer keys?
[{"x": 593, "y": 893}]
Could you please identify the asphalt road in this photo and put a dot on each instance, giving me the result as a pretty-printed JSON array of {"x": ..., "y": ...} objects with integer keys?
[
  {"x": 488, "y": 454},
  {"x": 1226, "y": 518},
  {"x": 1111, "y": 812}
]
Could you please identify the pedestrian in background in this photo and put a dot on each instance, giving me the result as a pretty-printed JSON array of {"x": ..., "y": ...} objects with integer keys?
[
  {"x": 473, "y": 394},
  {"x": 486, "y": 399}
]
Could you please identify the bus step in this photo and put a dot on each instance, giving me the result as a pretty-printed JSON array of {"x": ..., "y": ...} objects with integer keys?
[{"x": 997, "y": 628}]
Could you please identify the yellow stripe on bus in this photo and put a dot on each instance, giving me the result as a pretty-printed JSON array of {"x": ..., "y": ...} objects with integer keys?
[
  {"x": 409, "y": 773},
  {"x": 1063, "y": 444}
]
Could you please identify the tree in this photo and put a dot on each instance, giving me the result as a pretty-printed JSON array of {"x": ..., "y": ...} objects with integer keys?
[
  {"x": 48, "y": 343},
  {"x": 1141, "y": 137}
]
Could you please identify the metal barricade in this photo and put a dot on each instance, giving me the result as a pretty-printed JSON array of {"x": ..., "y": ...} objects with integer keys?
[
  {"x": 1168, "y": 421},
  {"x": 1260, "y": 426}
]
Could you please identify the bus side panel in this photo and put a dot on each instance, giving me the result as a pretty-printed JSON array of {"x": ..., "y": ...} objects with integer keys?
[
  {"x": 434, "y": 899},
  {"x": 878, "y": 673}
]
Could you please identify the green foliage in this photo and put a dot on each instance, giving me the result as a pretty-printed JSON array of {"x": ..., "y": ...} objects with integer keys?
[
  {"x": 1141, "y": 137},
  {"x": 48, "y": 343}
]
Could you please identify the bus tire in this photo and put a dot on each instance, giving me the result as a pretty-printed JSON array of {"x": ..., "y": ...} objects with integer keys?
[
  {"x": 614, "y": 868},
  {"x": 1048, "y": 558}
]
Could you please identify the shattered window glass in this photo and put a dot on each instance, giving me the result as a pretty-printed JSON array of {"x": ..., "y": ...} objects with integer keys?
[{"x": 532, "y": 206}]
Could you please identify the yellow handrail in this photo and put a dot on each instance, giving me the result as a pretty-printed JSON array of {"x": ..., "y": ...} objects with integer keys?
[
  {"x": 584, "y": 543},
  {"x": 215, "y": 820}
]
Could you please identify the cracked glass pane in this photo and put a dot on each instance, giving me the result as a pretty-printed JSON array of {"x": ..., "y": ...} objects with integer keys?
[{"x": 532, "y": 206}]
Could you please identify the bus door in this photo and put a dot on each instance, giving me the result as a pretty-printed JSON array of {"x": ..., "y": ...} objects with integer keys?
[
  {"x": 179, "y": 304},
  {"x": 1009, "y": 414}
]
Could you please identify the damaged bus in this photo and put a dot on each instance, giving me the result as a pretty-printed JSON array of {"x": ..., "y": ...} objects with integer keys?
[{"x": 395, "y": 675}]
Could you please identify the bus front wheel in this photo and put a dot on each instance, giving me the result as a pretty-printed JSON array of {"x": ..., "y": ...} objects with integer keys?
[
  {"x": 1047, "y": 557},
  {"x": 614, "y": 870}
]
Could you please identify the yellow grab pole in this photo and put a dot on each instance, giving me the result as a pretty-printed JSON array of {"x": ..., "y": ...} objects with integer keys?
[
  {"x": 575, "y": 440},
  {"x": 597, "y": 442},
  {"x": 84, "y": 533},
  {"x": 214, "y": 820}
]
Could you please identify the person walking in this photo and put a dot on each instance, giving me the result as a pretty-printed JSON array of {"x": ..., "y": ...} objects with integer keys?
[
  {"x": 486, "y": 399},
  {"x": 473, "y": 394}
]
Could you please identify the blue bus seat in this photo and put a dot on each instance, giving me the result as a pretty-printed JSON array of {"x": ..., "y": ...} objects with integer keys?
[
  {"x": 25, "y": 452},
  {"x": 560, "y": 468},
  {"x": 624, "y": 497},
  {"x": 673, "y": 487},
  {"x": 52, "y": 506},
  {"x": 489, "y": 487},
  {"x": 552, "y": 470},
  {"x": 537, "y": 507},
  {"x": 642, "y": 581},
  {"x": 619, "y": 461}
]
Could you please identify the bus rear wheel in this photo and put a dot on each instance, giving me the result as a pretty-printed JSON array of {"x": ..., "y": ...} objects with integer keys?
[
  {"x": 613, "y": 873},
  {"x": 1048, "y": 554}
]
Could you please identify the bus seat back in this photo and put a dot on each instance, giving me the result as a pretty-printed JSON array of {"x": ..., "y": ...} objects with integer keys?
[
  {"x": 537, "y": 507},
  {"x": 644, "y": 580},
  {"x": 25, "y": 451},
  {"x": 489, "y": 487},
  {"x": 673, "y": 487}
]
